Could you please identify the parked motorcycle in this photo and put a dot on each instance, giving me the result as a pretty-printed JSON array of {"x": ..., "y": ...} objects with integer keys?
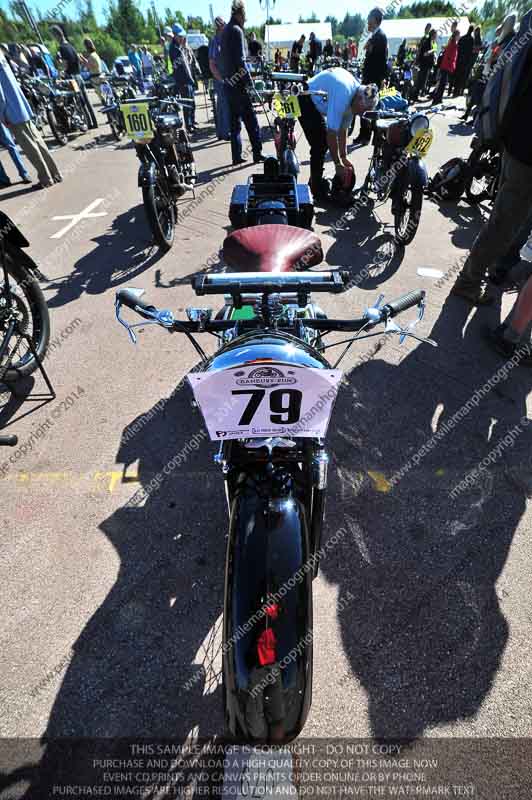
[
  {"x": 397, "y": 169},
  {"x": 66, "y": 111},
  {"x": 24, "y": 318},
  {"x": 167, "y": 168},
  {"x": 116, "y": 91},
  {"x": 36, "y": 92},
  {"x": 266, "y": 396},
  {"x": 483, "y": 173}
]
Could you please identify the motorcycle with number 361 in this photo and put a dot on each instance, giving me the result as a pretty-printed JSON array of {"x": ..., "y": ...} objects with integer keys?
[{"x": 266, "y": 395}]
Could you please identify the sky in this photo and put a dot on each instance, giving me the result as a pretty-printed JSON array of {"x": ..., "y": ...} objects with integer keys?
[{"x": 287, "y": 10}]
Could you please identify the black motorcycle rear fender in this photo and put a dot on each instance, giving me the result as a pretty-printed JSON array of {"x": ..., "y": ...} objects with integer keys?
[
  {"x": 10, "y": 231},
  {"x": 147, "y": 174},
  {"x": 267, "y": 651}
]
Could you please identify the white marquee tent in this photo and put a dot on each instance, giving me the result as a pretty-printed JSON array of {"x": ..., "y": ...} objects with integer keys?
[{"x": 413, "y": 29}]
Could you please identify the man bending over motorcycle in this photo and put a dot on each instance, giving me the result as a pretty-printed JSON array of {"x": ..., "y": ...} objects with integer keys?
[{"x": 325, "y": 121}]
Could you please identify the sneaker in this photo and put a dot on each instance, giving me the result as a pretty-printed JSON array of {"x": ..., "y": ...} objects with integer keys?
[
  {"x": 259, "y": 159},
  {"x": 26, "y": 179},
  {"x": 238, "y": 161},
  {"x": 476, "y": 295},
  {"x": 495, "y": 339}
]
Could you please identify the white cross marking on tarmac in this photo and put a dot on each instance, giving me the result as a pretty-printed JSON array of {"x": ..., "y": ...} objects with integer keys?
[{"x": 87, "y": 213}]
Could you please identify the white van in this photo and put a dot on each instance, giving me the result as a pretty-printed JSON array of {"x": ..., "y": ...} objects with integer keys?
[{"x": 196, "y": 39}]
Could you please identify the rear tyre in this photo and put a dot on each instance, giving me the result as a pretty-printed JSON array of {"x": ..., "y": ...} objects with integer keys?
[
  {"x": 58, "y": 133},
  {"x": 31, "y": 310},
  {"x": 407, "y": 217},
  {"x": 161, "y": 216}
]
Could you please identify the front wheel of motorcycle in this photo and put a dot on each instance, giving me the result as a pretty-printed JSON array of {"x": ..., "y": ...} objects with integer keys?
[
  {"x": 59, "y": 135},
  {"x": 407, "y": 217},
  {"x": 29, "y": 306},
  {"x": 161, "y": 216}
]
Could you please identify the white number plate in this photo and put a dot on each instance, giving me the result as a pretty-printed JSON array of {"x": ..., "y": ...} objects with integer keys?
[{"x": 266, "y": 399}]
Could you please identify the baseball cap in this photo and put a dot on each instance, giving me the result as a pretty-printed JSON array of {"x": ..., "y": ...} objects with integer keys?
[{"x": 178, "y": 29}]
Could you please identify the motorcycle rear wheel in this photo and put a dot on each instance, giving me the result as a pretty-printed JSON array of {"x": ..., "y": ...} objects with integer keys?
[
  {"x": 31, "y": 308},
  {"x": 161, "y": 216},
  {"x": 407, "y": 220},
  {"x": 59, "y": 135}
]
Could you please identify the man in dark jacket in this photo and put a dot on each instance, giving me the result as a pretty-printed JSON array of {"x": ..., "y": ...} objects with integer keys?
[
  {"x": 464, "y": 62},
  {"x": 183, "y": 77},
  {"x": 375, "y": 68},
  {"x": 236, "y": 80},
  {"x": 511, "y": 217}
]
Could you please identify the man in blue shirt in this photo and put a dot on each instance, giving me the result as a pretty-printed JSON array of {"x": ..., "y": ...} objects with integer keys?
[
  {"x": 236, "y": 81},
  {"x": 325, "y": 121},
  {"x": 223, "y": 128},
  {"x": 15, "y": 112}
]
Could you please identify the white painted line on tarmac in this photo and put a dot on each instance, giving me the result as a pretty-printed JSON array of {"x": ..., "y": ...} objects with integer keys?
[{"x": 87, "y": 213}]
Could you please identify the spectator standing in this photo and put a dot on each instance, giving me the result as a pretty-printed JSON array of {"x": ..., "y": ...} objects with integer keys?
[
  {"x": 236, "y": 80},
  {"x": 93, "y": 63},
  {"x": 426, "y": 59},
  {"x": 314, "y": 50},
  {"x": 464, "y": 62},
  {"x": 328, "y": 49},
  {"x": 7, "y": 141},
  {"x": 512, "y": 337},
  {"x": 183, "y": 77},
  {"x": 401, "y": 53},
  {"x": 221, "y": 114},
  {"x": 278, "y": 59},
  {"x": 353, "y": 49},
  {"x": 447, "y": 67},
  {"x": 254, "y": 47},
  {"x": 511, "y": 218},
  {"x": 147, "y": 63},
  {"x": 70, "y": 60},
  {"x": 136, "y": 62},
  {"x": 295, "y": 53},
  {"x": 15, "y": 112},
  {"x": 375, "y": 68}
]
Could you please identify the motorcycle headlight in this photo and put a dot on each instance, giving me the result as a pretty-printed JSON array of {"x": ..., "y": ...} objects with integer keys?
[{"x": 419, "y": 122}]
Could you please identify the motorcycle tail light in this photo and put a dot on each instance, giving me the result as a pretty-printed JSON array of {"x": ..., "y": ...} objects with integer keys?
[{"x": 395, "y": 134}]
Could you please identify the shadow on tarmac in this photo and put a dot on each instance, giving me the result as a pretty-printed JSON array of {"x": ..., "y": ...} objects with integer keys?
[{"x": 119, "y": 256}]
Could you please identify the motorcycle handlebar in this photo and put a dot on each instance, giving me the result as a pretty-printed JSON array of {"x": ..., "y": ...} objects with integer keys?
[
  {"x": 8, "y": 441},
  {"x": 131, "y": 299}
]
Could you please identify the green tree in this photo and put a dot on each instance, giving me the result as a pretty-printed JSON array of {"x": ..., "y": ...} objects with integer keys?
[
  {"x": 334, "y": 24},
  {"x": 312, "y": 18},
  {"x": 125, "y": 22},
  {"x": 353, "y": 26}
]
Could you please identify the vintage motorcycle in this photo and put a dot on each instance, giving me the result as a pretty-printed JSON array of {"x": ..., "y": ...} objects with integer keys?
[
  {"x": 167, "y": 169},
  {"x": 65, "y": 110},
  {"x": 266, "y": 396},
  {"x": 24, "y": 317},
  {"x": 397, "y": 169},
  {"x": 115, "y": 91}
]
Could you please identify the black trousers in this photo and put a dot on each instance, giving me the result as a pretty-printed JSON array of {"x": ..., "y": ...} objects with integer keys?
[{"x": 315, "y": 132}]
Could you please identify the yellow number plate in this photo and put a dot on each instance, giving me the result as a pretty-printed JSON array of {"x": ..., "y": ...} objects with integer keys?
[
  {"x": 138, "y": 121},
  {"x": 286, "y": 106},
  {"x": 420, "y": 143}
]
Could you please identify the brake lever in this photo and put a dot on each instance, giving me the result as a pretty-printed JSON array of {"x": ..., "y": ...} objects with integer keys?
[
  {"x": 392, "y": 327},
  {"x": 164, "y": 318}
]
